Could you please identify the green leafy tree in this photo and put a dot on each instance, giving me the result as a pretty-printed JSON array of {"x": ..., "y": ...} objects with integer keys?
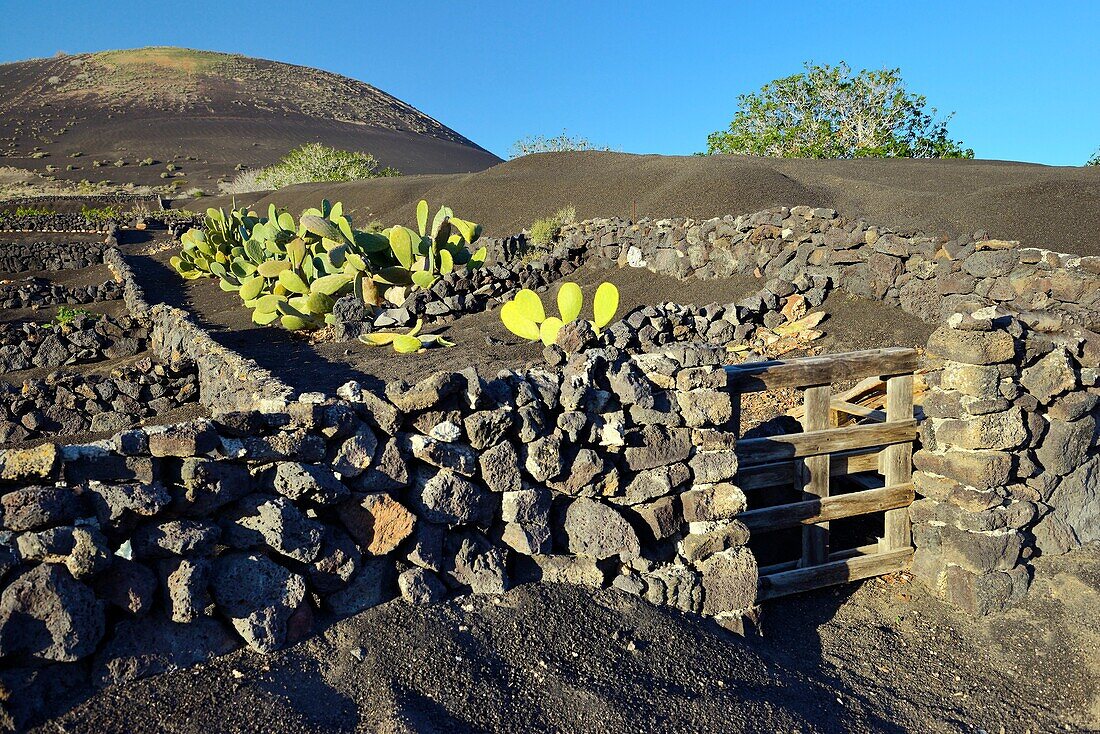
[
  {"x": 1095, "y": 160},
  {"x": 829, "y": 112}
]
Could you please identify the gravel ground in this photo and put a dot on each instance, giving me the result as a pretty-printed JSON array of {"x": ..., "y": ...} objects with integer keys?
[{"x": 882, "y": 656}]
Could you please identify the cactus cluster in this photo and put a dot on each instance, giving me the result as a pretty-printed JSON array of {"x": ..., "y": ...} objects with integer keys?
[
  {"x": 525, "y": 316},
  {"x": 214, "y": 243},
  {"x": 423, "y": 255},
  {"x": 295, "y": 272}
]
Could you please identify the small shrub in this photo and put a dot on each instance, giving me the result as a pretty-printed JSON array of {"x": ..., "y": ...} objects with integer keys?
[
  {"x": 100, "y": 214},
  {"x": 77, "y": 154},
  {"x": 120, "y": 163},
  {"x": 244, "y": 183},
  {"x": 33, "y": 211},
  {"x": 544, "y": 230},
  {"x": 542, "y": 144},
  {"x": 146, "y": 162},
  {"x": 65, "y": 314},
  {"x": 39, "y": 154},
  {"x": 171, "y": 167},
  {"x": 311, "y": 163}
]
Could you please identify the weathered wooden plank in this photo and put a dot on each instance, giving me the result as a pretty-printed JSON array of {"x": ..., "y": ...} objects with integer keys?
[
  {"x": 861, "y": 411},
  {"x": 767, "y": 519},
  {"x": 783, "y": 473},
  {"x": 861, "y": 389},
  {"x": 815, "y": 474},
  {"x": 834, "y": 572},
  {"x": 811, "y": 443},
  {"x": 897, "y": 461},
  {"x": 823, "y": 370}
]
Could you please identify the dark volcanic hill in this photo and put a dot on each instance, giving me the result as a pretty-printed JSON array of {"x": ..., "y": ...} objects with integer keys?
[{"x": 206, "y": 113}]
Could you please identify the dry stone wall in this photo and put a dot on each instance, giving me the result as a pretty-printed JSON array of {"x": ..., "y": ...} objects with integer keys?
[
  {"x": 82, "y": 339},
  {"x": 227, "y": 381},
  {"x": 56, "y": 222},
  {"x": 930, "y": 277},
  {"x": 616, "y": 466},
  {"x": 1009, "y": 466},
  {"x": 38, "y": 292},
  {"x": 17, "y": 257},
  {"x": 165, "y": 545}
]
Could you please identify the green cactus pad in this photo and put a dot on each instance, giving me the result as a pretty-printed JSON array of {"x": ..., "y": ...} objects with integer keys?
[
  {"x": 517, "y": 322},
  {"x": 529, "y": 306},
  {"x": 570, "y": 301},
  {"x": 251, "y": 287},
  {"x": 548, "y": 330},
  {"x": 272, "y": 268},
  {"x": 605, "y": 305},
  {"x": 293, "y": 282},
  {"x": 405, "y": 344}
]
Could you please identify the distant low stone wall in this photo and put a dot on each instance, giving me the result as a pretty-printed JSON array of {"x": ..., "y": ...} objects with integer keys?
[
  {"x": 66, "y": 212},
  {"x": 16, "y": 257}
]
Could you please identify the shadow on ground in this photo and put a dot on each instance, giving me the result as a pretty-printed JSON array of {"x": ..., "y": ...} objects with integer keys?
[{"x": 881, "y": 656}]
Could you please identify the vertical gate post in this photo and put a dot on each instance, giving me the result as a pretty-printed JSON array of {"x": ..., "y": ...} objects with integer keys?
[
  {"x": 898, "y": 461},
  {"x": 814, "y": 475}
]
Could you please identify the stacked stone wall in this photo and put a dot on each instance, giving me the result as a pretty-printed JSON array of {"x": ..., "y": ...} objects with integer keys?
[
  {"x": 17, "y": 257},
  {"x": 1009, "y": 467},
  {"x": 614, "y": 467},
  {"x": 227, "y": 381},
  {"x": 164, "y": 545}
]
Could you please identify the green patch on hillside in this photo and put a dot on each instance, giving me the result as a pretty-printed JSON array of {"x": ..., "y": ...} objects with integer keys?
[{"x": 166, "y": 60}]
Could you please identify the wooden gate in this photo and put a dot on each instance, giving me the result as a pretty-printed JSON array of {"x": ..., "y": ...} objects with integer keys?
[{"x": 873, "y": 459}]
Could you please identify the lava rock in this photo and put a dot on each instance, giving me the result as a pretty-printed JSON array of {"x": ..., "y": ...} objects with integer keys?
[
  {"x": 45, "y": 613},
  {"x": 258, "y": 596}
]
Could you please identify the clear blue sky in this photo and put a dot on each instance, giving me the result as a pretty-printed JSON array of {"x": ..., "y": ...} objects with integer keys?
[{"x": 651, "y": 77}]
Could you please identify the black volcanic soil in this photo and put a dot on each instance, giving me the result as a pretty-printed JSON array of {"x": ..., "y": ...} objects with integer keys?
[
  {"x": 1042, "y": 206},
  {"x": 880, "y": 656},
  {"x": 307, "y": 364}
]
